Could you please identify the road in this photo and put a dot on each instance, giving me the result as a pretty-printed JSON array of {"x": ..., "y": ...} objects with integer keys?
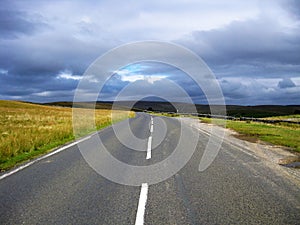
[{"x": 237, "y": 188}]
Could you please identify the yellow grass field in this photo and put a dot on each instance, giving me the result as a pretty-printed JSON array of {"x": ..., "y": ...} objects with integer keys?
[{"x": 27, "y": 130}]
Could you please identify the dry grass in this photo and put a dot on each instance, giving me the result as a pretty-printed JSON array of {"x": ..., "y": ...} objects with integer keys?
[{"x": 27, "y": 129}]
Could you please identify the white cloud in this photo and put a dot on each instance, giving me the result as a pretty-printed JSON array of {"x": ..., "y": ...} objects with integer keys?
[
  {"x": 86, "y": 19},
  {"x": 43, "y": 94},
  {"x": 3, "y": 71},
  {"x": 131, "y": 73},
  {"x": 68, "y": 75},
  {"x": 150, "y": 79},
  {"x": 122, "y": 72},
  {"x": 296, "y": 80},
  {"x": 132, "y": 78}
]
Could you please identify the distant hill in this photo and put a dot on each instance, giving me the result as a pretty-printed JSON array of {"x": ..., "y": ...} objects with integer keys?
[
  {"x": 258, "y": 111},
  {"x": 99, "y": 105},
  {"x": 232, "y": 110}
]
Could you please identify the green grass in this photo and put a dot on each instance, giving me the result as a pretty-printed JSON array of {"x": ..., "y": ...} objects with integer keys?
[
  {"x": 280, "y": 134},
  {"x": 164, "y": 114},
  {"x": 29, "y": 130}
]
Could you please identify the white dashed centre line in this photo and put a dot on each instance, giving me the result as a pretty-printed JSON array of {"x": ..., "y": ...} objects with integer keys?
[
  {"x": 150, "y": 140},
  {"x": 151, "y": 128},
  {"x": 139, "y": 220},
  {"x": 149, "y": 148}
]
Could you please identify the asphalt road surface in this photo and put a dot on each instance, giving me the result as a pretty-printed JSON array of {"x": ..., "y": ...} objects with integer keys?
[{"x": 236, "y": 189}]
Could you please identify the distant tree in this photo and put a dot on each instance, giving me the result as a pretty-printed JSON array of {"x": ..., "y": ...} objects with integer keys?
[
  {"x": 297, "y": 111},
  {"x": 150, "y": 109}
]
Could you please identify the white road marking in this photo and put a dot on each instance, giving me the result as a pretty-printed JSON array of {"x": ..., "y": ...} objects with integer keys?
[
  {"x": 150, "y": 140},
  {"x": 139, "y": 220},
  {"x": 151, "y": 128},
  {"x": 237, "y": 146},
  {"x": 43, "y": 157},
  {"x": 149, "y": 148},
  {"x": 203, "y": 131},
  {"x": 151, "y": 124}
]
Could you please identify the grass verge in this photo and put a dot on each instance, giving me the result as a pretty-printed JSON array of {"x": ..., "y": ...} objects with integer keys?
[
  {"x": 164, "y": 114},
  {"x": 29, "y": 130},
  {"x": 279, "y": 134}
]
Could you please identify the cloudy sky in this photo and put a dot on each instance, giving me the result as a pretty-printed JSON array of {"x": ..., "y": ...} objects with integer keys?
[{"x": 252, "y": 47}]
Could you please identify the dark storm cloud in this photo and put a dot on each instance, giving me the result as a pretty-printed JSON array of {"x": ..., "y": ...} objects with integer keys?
[
  {"x": 247, "y": 55},
  {"x": 34, "y": 52},
  {"x": 14, "y": 23},
  {"x": 253, "y": 42},
  {"x": 20, "y": 85},
  {"x": 293, "y": 6},
  {"x": 48, "y": 54},
  {"x": 239, "y": 40}
]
